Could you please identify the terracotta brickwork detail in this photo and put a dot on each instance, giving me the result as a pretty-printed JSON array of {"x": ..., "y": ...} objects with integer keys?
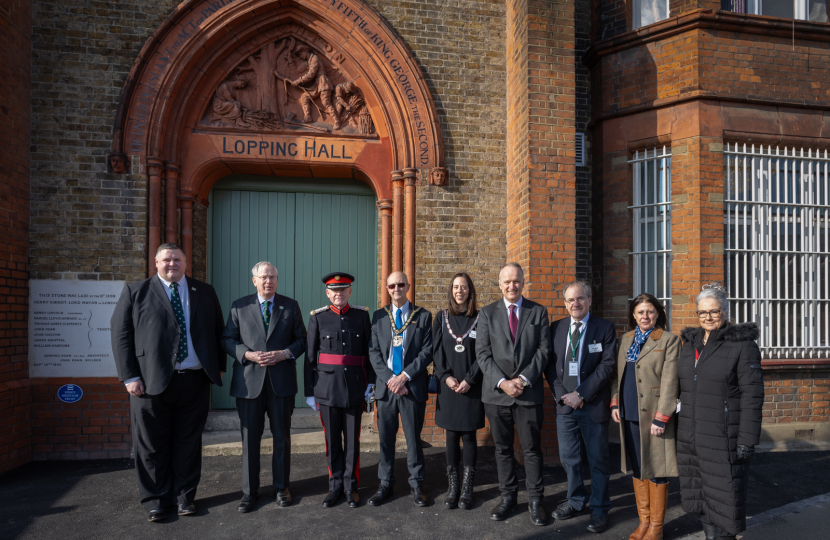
[
  {"x": 15, "y": 127},
  {"x": 796, "y": 397}
]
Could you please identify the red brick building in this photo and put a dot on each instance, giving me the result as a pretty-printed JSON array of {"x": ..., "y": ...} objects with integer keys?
[{"x": 645, "y": 146}]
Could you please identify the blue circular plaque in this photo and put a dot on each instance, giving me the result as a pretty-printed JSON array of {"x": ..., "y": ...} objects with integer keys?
[{"x": 70, "y": 393}]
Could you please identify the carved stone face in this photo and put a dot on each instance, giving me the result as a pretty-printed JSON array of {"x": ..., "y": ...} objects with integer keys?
[
  {"x": 118, "y": 164},
  {"x": 438, "y": 176}
]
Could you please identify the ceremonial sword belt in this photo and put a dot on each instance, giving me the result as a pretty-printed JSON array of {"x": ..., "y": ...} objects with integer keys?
[{"x": 340, "y": 360}]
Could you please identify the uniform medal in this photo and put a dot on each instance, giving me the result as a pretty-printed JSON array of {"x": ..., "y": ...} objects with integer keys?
[{"x": 459, "y": 348}]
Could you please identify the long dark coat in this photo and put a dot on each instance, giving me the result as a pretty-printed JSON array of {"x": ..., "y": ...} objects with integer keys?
[{"x": 721, "y": 401}]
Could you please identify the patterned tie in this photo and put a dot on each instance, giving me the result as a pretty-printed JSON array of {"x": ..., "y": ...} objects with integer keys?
[
  {"x": 570, "y": 382},
  {"x": 575, "y": 336},
  {"x": 266, "y": 314},
  {"x": 397, "y": 352},
  {"x": 514, "y": 323},
  {"x": 176, "y": 300}
]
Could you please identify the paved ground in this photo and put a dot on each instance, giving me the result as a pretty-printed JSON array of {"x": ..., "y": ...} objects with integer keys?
[{"x": 98, "y": 499}]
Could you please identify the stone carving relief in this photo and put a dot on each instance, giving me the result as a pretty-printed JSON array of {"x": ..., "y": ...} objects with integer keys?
[
  {"x": 290, "y": 85},
  {"x": 437, "y": 176},
  {"x": 118, "y": 163}
]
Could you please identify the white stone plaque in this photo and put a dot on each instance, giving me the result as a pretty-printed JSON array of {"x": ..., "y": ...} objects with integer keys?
[{"x": 69, "y": 327}]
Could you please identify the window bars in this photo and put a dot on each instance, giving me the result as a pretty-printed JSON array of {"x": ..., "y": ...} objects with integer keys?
[
  {"x": 777, "y": 234},
  {"x": 652, "y": 224}
]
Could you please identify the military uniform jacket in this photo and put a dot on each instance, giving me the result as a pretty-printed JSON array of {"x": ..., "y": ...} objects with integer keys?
[{"x": 345, "y": 334}]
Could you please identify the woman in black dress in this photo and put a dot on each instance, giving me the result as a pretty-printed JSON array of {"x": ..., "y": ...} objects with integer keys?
[{"x": 459, "y": 409}]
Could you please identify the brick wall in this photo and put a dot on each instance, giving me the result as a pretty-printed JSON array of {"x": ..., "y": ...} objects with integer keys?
[
  {"x": 584, "y": 175},
  {"x": 796, "y": 396},
  {"x": 85, "y": 223},
  {"x": 96, "y": 427},
  {"x": 694, "y": 91},
  {"x": 15, "y": 111}
]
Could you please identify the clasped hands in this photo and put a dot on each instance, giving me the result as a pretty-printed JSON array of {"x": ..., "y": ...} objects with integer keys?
[
  {"x": 397, "y": 384},
  {"x": 512, "y": 387},
  {"x": 457, "y": 387},
  {"x": 266, "y": 359},
  {"x": 573, "y": 400}
]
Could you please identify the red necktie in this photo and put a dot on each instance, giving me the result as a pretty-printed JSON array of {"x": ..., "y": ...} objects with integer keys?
[{"x": 514, "y": 323}]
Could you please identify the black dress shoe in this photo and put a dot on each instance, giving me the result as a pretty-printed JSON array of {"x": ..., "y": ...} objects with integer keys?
[
  {"x": 598, "y": 523},
  {"x": 187, "y": 509},
  {"x": 538, "y": 514},
  {"x": 503, "y": 509},
  {"x": 419, "y": 496},
  {"x": 246, "y": 504},
  {"x": 331, "y": 498},
  {"x": 380, "y": 495},
  {"x": 157, "y": 514},
  {"x": 284, "y": 498},
  {"x": 352, "y": 499},
  {"x": 566, "y": 511}
]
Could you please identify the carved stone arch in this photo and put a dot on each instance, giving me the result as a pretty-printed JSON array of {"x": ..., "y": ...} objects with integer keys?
[{"x": 173, "y": 92}]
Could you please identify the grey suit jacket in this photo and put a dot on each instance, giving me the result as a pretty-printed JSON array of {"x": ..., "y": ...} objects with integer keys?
[
  {"x": 146, "y": 335},
  {"x": 245, "y": 332},
  {"x": 500, "y": 358},
  {"x": 417, "y": 353}
]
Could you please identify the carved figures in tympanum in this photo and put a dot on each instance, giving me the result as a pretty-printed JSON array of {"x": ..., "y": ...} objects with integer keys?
[{"x": 288, "y": 85}]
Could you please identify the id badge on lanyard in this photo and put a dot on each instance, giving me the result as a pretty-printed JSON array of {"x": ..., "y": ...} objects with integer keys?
[{"x": 573, "y": 363}]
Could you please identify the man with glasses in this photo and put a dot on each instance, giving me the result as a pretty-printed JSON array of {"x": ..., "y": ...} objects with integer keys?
[
  {"x": 265, "y": 335},
  {"x": 579, "y": 374},
  {"x": 338, "y": 378},
  {"x": 400, "y": 351}
]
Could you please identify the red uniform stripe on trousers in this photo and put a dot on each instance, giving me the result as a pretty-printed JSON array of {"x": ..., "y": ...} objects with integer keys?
[{"x": 327, "y": 443}]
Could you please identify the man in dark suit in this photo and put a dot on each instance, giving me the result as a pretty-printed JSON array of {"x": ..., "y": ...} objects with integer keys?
[
  {"x": 512, "y": 348},
  {"x": 400, "y": 351},
  {"x": 265, "y": 335},
  {"x": 579, "y": 374},
  {"x": 337, "y": 376},
  {"x": 166, "y": 334}
]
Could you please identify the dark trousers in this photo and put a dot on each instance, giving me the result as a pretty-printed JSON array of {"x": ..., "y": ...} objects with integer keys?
[
  {"x": 342, "y": 428},
  {"x": 411, "y": 412},
  {"x": 454, "y": 439},
  {"x": 167, "y": 439},
  {"x": 631, "y": 432},
  {"x": 252, "y": 423},
  {"x": 527, "y": 422},
  {"x": 569, "y": 428}
]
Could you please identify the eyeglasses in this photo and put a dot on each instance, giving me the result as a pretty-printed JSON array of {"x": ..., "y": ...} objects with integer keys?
[
  {"x": 580, "y": 299},
  {"x": 267, "y": 278},
  {"x": 393, "y": 286},
  {"x": 715, "y": 314}
]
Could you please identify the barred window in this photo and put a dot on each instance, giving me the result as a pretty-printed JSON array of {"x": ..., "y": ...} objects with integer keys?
[
  {"x": 806, "y": 10},
  {"x": 652, "y": 223},
  {"x": 777, "y": 234}
]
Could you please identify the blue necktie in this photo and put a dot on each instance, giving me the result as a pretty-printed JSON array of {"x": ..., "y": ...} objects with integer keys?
[{"x": 397, "y": 352}]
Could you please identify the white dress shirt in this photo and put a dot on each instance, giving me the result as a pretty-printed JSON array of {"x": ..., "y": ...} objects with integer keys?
[
  {"x": 192, "y": 361},
  {"x": 518, "y": 309},
  {"x": 404, "y": 314}
]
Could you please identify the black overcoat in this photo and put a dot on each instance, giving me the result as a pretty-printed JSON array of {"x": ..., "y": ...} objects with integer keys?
[{"x": 721, "y": 400}]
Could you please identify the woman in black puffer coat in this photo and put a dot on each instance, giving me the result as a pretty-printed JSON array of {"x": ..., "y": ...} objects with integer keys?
[{"x": 721, "y": 398}]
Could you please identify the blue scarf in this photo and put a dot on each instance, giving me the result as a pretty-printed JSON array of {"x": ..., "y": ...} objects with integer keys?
[{"x": 639, "y": 339}]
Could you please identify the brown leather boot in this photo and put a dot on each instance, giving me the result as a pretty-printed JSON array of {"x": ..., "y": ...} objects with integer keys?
[
  {"x": 641, "y": 495},
  {"x": 658, "y": 496}
]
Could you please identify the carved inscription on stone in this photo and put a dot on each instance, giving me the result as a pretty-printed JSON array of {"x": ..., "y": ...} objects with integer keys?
[{"x": 290, "y": 85}]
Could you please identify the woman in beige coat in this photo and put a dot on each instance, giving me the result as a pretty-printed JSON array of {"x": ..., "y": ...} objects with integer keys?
[{"x": 643, "y": 405}]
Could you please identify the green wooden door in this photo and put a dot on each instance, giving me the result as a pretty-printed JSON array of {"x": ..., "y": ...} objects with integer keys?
[{"x": 306, "y": 229}]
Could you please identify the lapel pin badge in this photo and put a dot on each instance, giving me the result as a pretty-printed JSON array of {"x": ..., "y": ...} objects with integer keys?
[
  {"x": 282, "y": 307},
  {"x": 192, "y": 288}
]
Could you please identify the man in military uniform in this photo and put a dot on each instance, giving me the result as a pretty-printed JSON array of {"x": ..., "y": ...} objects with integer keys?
[{"x": 338, "y": 378}]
